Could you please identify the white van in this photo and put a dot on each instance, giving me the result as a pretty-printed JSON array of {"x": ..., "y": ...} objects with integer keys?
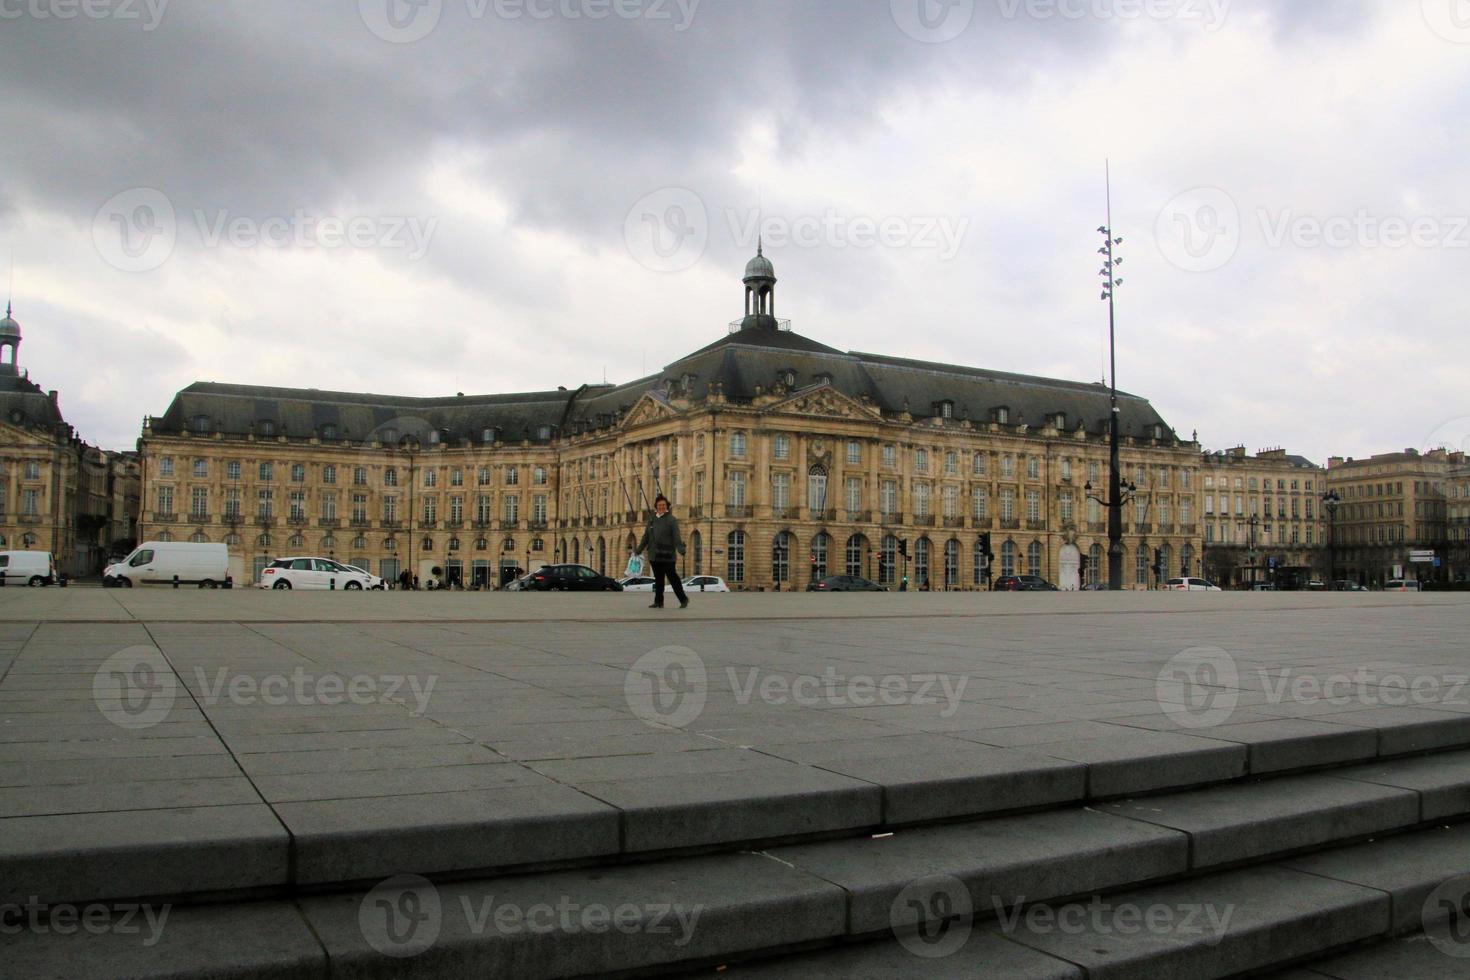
[
  {"x": 161, "y": 562},
  {"x": 34, "y": 568}
]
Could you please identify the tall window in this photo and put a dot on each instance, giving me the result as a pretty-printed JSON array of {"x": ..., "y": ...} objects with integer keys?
[
  {"x": 165, "y": 468},
  {"x": 456, "y": 509},
  {"x": 979, "y": 563},
  {"x": 854, "y": 453},
  {"x": 390, "y": 506},
  {"x": 980, "y": 503},
  {"x": 1033, "y": 558},
  {"x": 921, "y": 561},
  {"x": 431, "y": 509},
  {"x": 1094, "y": 565},
  {"x": 482, "y": 509},
  {"x": 1007, "y": 504},
  {"x": 512, "y": 508},
  {"x": 329, "y": 506},
  {"x": 298, "y": 472},
  {"x": 1064, "y": 505},
  {"x": 856, "y": 546},
  {"x": 735, "y": 557},
  {"x": 1140, "y": 567},
  {"x": 977, "y": 465},
  {"x": 921, "y": 500},
  {"x": 538, "y": 508},
  {"x": 1033, "y": 505},
  {"x": 232, "y": 469},
  {"x": 890, "y": 457},
  {"x": 820, "y": 547},
  {"x": 265, "y": 503},
  {"x": 512, "y": 475},
  {"x": 854, "y": 493},
  {"x": 232, "y": 502},
  {"x": 888, "y": 497},
  {"x": 921, "y": 461},
  {"x": 781, "y": 557},
  {"x": 201, "y": 468},
  {"x": 951, "y": 502},
  {"x": 735, "y": 490},
  {"x": 267, "y": 472},
  {"x": 781, "y": 491},
  {"x": 816, "y": 489},
  {"x": 165, "y": 501},
  {"x": 783, "y": 447},
  {"x": 888, "y": 560},
  {"x": 1008, "y": 558},
  {"x": 30, "y": 502},
  {"x": 951, "y": 563},
  {"x": 951, "y": 463},
  {"x": 737, "y": 445}
]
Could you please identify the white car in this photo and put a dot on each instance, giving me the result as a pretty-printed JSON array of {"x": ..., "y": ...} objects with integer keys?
[
  {"x": 1401, "y": 585},
  {"x": 705, "y": 583},
  {"x": 636, "y": 583},
  {"x": 1192, "y": 585},
  {"x": 315, "y": 573}
]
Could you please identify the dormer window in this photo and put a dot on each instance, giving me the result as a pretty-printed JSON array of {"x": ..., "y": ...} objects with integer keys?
[
  {"x": 329, "y": 431},
  {"x": 1158, "y": 432},
  {"x": 1001, "y": 414},
  {"x": 267, "y": 428},
  {"x": 945, "y": 409},
  {"x": 788, "y": 378},
  {"x": 544, "y": 433},
  {"x": 389, "y": 436},
  {"x": 1059, "y": 420},
  {"x": 201, "y": 423},
  {"x": 435, "y": 437},
  {"x": 487, "y": 436}
]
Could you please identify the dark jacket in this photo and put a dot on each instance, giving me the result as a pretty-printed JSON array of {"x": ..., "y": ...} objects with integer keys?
[{"x": 662, "y": 540}]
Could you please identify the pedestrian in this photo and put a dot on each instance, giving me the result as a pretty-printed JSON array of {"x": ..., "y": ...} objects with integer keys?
[{"x": 663, "y": 543}]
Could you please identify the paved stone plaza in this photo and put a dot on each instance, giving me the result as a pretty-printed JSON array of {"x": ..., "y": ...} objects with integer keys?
[{"x": 168, "y": 743}]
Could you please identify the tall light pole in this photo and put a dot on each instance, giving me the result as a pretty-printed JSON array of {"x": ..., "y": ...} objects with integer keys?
[
  {"x": 1330, "y": 500},
  {"x": 1115, "y": 501}
]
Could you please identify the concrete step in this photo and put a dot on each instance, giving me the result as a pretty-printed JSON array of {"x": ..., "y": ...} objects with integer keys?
[
  {"x": 1057, "y": 893},
  {"x": 188, "y": 821}
]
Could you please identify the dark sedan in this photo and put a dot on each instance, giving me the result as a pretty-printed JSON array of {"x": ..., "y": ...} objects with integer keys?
[
  {"x": 570, "y": 578},
  {"x": 1023, "y": 583},
  {"x": 844, "y": 583}
]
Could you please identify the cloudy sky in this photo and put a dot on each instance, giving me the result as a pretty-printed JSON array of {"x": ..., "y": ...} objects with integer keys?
[{"x": 430, "y": 196}]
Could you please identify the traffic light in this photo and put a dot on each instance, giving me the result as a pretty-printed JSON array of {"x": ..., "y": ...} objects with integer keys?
[
  {"x": 903, "y": 547},
  {"x": 985, "y": 546},
  {"x": 1083, "y": 566}
]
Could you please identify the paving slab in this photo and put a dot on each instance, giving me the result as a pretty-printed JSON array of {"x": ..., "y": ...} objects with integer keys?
[
  {"x": 1410, "y": 958},
  {"x": 982, "y": 955},
  {"x": 83, "y": 857},
  {"x": 564, "y": 924},
  {"x": 1442, "y": 781},
  {"x": 1147, "y": 761},
  {"x": 1239, "y": 823},
  {"x": 1216, "y": 926},
  {"x": 1001, "y": 861},
  {"x": 1281, "y": 745},
  {"x": 268, "y": 940}
]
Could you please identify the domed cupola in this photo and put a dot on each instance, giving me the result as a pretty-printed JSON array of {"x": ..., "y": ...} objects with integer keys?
[
  {"x": 9, "y": 344},
  {"x": 760, "y": 291}
]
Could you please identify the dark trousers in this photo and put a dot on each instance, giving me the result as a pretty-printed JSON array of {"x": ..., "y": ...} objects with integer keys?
[{"x": 666, "y": 570}]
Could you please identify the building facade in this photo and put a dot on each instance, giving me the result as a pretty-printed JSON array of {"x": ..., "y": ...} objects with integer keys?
[
  {"x": 785, "y": 459},
  {"x": 1457, "y": 522},
  {"x": 1391, "y": 505},
  {"x": 55, "y": 489},
  {"x": 1264, "y": 519}
]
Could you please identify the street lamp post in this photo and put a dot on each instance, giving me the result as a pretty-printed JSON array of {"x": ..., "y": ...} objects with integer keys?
[
  {"x": 1330, "y": 500},
  {"x": 1115, "y": 500}
]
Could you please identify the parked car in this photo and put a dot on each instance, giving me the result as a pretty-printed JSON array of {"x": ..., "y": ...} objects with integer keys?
[
  {"x": 844, "y": 583},
  {"x": 316, "y": 573},
  {"x": 164, "y": 562},
  {"x": 705, "y": 583},
  {"x": 570, "y": 578},
  {"x": 636, "y": 583},
  {"x": 1191, "y": 585},
  {"x": 33, "y": 568},
  {"x": 1263, "y": 587},
  {"x": 522, "y": 584},
  {"x": 1022, "y": 583},
  {"x": 1401, "y": 585},
  {"x": 1347, "y": 585}
]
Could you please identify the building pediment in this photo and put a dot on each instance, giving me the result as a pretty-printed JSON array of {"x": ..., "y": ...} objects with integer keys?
[
  {"x": 652, "y": 407},
  {"x": 823, "y": 401}
]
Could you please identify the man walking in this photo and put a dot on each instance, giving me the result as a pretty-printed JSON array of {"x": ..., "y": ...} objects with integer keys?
[{"x": 663, "y": 542}]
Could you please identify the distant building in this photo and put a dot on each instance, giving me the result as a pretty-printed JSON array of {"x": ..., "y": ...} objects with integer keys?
[
  {"x": 1263, "y": 519},
  {"x": 786, "y": 460},
  {"x": 1393, "y": 504},
  {"x": 56, "y": 491},
  {"x": 1457, "y": 522}
]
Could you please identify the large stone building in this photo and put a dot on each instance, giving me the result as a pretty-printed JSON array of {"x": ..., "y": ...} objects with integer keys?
[
  {"x": 56, "y": 491},
  {"x": 1392, "y": 504},
  {"x": 1264, "y": 520},
  {"x": 786, "y": 460},
  {"x": 1457, "y": 522}
]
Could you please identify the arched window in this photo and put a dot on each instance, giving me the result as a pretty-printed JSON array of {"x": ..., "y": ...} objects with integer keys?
[
  {"x": 857, "y": 547},
  {"x": 162, "y": 536},
  {"x": 1168, "y": 560},
  {"x": 1140, "y": 566},
  {"x": 1008, "y": 558},
  {"x": 329, "y": 543},
  {"x": 816, "y": 491},
  {"x": 735, "y": 557},
  {"x": 232, "y": 539},
  {"x": 359, "y": 543},
  {"x": 427, "y": 544},
  {"x": 482, "y": 544},
  {"x": 264, "y": 541},
  {"x": 1033, "y": 558},
  {"x": 296, "y": 541},
  {"x": 979, "y": 562},
  {"x": 1095, "y": 565},
  {"x": 601, "y": 556},
  {"x": 781, "y": 557},
  {"x": 821, "y": 544},
  {"x": 951, "y": 563},
  {"x": 576, "y": 551},
  {"x": 1186, "y": 560},
  {"x": 921, "y": 562},
  {"x": 888, "y": 560},
  {"x": 199, "y": 537}
]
